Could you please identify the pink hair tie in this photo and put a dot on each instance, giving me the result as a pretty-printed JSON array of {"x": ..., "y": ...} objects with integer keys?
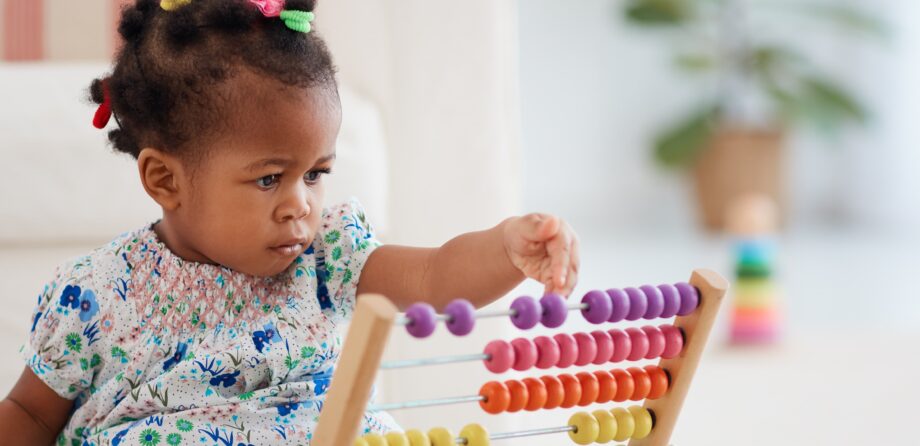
[{"x": 269, "y": 8}]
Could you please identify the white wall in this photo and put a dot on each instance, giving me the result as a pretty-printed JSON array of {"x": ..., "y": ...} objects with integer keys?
[{"x": 596, "y": 89}]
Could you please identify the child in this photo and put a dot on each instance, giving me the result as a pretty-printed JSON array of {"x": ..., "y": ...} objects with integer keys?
[{"x": 218, "y": 324}]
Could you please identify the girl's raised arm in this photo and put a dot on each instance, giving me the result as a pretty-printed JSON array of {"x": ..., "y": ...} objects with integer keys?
[{"x": 477, "y": 266}]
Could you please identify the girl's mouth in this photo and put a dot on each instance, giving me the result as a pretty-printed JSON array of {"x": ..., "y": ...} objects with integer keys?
[{"x": 289, "y": 250}]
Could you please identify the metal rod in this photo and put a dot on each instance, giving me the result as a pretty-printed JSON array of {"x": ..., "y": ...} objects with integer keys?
[
  {"x": 495, "y": 313},
  {"x": 425, "y": 403},
  {"x": 532, "y": 432},
  {"x": 405, "y": 363}
]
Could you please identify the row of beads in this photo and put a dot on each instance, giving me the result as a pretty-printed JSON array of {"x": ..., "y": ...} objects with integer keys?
[
  {"x": 472, "y": 434},
  {"x": 602, "y": 426},
  {"x": 645, "y": 302},
  {"x": 581, "y": 389},
  {"x": 460, "y": 315},
  {"x": 598, "y": 347},
  {"x": 613, "y": 305}
]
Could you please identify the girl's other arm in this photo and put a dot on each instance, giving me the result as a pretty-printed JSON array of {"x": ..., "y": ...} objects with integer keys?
[
  {"x": 32, "y": 414},
  {"x": 478, "y": 266}
]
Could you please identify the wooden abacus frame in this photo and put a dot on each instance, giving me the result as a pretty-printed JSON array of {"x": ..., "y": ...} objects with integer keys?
[{"x": 375, "y": 315}]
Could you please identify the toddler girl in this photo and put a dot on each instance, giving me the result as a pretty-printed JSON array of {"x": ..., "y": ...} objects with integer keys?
[{"x": 219, "y": 323}]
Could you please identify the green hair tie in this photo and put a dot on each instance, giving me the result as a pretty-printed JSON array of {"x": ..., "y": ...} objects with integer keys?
[{"x": 298, "y": 20}]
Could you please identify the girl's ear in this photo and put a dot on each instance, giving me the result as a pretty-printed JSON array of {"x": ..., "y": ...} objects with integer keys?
[{"x": 160, "y": 174}]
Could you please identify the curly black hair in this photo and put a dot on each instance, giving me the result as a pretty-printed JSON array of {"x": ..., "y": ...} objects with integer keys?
[{"x": 163, "y": 85}]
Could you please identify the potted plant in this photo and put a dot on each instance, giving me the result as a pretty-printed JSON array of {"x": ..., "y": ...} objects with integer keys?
[{"x": 764, "y": 87}]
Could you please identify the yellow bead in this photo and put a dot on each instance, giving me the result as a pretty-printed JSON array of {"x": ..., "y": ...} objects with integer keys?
[
  {"x": 586, "y": 428},
  {"x": 375, "y": 440},
  {"x": 397, "y": 439},
  {"x": 360, "y": 441},
  {"x": 626, "y": 425},
  {"x": 417, "y": 438},
  {"x": 643, "y": 420},
  {"x": 441, "y": 437},
  {"x": 475, "y": 435},
  {"x": 608, "y": 426}
]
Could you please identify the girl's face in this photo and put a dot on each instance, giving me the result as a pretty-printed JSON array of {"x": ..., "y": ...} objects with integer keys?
[{"x": 254, "y": 202}]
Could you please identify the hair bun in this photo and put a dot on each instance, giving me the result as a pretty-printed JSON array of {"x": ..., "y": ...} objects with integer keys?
[
  {"x": 96, "y": 93},
  {"x": 300, "y": 5},
  {"x": 134, "y": 19}
]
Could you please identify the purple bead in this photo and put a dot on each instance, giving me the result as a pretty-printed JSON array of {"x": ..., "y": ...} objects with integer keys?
[
  {"x": 637, "y": 304},
  {"x": 554, "y": 310},
  {"x": 619, "y": 303},
  {"x": 655, "y": 301},
  {"x": 421, "y": 320},
  {"x": 599, "y": 307},
  {"x": 689, "y": 298},
  {"x": 461, "y": 317},
  {"x": 671, "y": 300},
  {"x": 527, "y": 312}
]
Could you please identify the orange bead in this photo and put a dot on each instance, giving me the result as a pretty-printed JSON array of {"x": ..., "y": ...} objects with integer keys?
[
  {"x": 607, "y": 385},
  {"x": 555, "y": 393},
  {"x": 643, "y": 383},
  {"x": 660, "y": 381},
  {"x": 518, "y": 395},
  {"x": 572, "y": 389},
  {"x": 590, "y": 388},
  {"x": 536, "y": 394},
  {"x": 497, "y": 397},
  {"x": 625, "y": 385}
]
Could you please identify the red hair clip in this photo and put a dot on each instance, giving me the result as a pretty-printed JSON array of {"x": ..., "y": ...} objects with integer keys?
[{"x": 104, "y": 112}]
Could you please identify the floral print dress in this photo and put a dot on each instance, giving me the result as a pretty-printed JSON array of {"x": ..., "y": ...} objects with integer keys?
[{"x": 156, "y": 350}]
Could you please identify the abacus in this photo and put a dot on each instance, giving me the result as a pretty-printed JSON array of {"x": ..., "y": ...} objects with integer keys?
[{"x": 663, "y": 387}]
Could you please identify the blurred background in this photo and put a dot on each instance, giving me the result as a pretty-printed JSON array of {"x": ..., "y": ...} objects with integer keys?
[{"x": 772, "y": 141}]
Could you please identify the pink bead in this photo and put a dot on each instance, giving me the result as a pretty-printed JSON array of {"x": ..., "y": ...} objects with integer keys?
[
  {"x": 622, "y": 345},
  {"x": 656, "y": 341},
  {"x": 587, "y": 349},
  {"x": 673, "y": 341},
  {"x": 502, "y": 356},
  {"x": 639, "y": 344},
  {"x": 547, "y": 352},
  {"x": 568, "y": 350},
  {"x": 604, "y": 344},
  {"x": 525, "y": 354}
]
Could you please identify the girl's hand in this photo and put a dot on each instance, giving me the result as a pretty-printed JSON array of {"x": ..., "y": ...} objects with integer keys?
[{"x": 545, "y": 248}]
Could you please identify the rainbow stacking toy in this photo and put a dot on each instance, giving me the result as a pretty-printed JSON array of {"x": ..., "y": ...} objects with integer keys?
[{"x": 663, "y": 387}]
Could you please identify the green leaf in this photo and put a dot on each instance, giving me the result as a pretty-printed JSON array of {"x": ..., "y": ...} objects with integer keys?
[
  {"x": 680, "y": 145},
  {"x": 695, "y": 62},
  {"x": 847, "y": 17},
  {"x": 819, "y": 102},
  {"x": 659, "y": 12}
]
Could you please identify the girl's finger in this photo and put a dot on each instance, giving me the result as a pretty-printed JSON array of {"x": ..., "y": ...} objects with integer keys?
[{"x": 559, "y": 250}]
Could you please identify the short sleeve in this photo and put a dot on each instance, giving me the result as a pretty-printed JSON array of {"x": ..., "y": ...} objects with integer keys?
[
  {"x": 346, "y": 240},
  {"x": 61, "y": 350}
]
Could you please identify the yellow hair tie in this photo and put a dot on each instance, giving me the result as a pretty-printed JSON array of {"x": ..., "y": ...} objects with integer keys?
[{"x": 172, "y": 5}]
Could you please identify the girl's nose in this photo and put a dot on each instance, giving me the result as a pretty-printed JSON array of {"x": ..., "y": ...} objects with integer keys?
[{"x": 296, "y": 205}]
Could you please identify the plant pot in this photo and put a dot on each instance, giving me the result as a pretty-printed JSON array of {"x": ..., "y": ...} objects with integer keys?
[{"x": 738, "y": 162}]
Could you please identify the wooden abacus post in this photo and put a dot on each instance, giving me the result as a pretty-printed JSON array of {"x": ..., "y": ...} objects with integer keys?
[
  {"x": 354, "y": 377},
  {"x": 696, "y": 327}
]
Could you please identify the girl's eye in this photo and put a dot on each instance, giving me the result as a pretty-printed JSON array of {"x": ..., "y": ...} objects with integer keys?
[
  {"x": 267, "y": 181},
  {"x": 314, "y": 175}
]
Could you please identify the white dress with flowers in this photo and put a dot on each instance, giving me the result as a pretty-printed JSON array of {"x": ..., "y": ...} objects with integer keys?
[{"x": 159, "y": 351}]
